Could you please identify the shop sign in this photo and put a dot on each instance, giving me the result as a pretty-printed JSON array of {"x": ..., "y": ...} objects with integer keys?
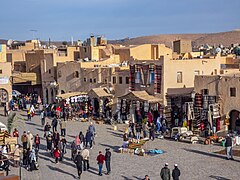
[{"x": 4, "y": 80}]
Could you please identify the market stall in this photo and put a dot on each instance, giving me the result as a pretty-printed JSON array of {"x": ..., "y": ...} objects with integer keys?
[
  {"x": 99, "y": 98},
  {"x": 138, "y": 105}
]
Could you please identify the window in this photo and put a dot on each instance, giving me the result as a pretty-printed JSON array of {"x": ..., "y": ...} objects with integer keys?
[
  {"x": 105, "y": 81},
  {"x": 59, "y": 74},
  {"x": 197, "y": 72},
  {"x": 85, "y": 79},
  {"x": 94, "y": 80},
  {"x": 114, "y": 80},
  {"x": 205, "y": 91},
  {"x": 1, "y": 71},
  {"x": 90, "y": 80},
  {"x": 76, "y": 74},
  {"x": 179, "y": 77},
  {"x": 127, "y": 80},
  {"x": 120, "y": 80},
  {"x": 215, "y": 71},
  {"x": 49, "y": 71},
  {"x": 232, "y": 92}
]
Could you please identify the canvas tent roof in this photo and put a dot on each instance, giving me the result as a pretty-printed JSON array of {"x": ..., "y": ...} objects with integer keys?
[
  {"x": 179, "y": 91},
  {"x": 71, "y": 94},
  {"x": 98, "y": 92},
  {"x": 141, "y": 96}
]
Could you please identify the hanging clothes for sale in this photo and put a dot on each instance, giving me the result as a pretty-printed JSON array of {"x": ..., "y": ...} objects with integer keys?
[
  {"x": 198, "y": 100},
  {"x": 151, "y": 74},
  {"x": 138, "y": 75},
  {"x": 210, "y": 118},
  {"x": 145, "y": 75},
  {"x": 132, "y": 78},
  {"x": 158, "y": 79}
]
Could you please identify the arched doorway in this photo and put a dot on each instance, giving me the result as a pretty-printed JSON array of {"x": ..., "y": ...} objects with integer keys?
[
  {"x": 234, "y": 122},
  {"x": 3, "y": 95}
]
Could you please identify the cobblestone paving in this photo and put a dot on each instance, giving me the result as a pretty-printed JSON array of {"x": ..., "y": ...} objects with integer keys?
[{"x": 196, "y": 162}]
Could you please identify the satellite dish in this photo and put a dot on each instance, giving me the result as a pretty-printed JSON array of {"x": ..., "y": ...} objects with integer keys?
[{"x": 9, "y": 42}]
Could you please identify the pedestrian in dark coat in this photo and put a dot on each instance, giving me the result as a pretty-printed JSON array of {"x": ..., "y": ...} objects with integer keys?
[
  {"x": 107, "y": 160},
  {"x": 78, "y": 161},
  {"x": 89, "y": 138},
  {"x": 176, "y": 172},
  {"x": 54, "y": 124},
  {"x": 151, "y": 131},
  {"x": 165, "y": 173}
]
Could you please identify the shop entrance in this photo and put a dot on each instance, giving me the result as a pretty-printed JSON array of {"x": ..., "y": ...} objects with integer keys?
[{"x": 234, "y": 120}]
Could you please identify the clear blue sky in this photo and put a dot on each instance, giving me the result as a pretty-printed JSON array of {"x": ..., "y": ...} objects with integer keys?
[{"x": 61, "y": 19}]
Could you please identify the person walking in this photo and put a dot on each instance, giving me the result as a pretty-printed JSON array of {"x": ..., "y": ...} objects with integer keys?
[
  {"x": 49, "y": 140},
  {"x": 138, "y": 131},
  {"x": 54, "y": 124},
  {"x": 89, "y": 138},
  {"x": 16, "y": 134},
  {"x": 100, "y": 161},
  {"x": 82, "y": 140},
  {"x": 56, "y": 139},
  {"x": 176, "y": 172},
  {"x": 85, "y": 155},
  {"x": 165, "y": 173},
  {"x": 228, "y": 145},
  {"x": 24, "y": 140},
  {"x": 37, "y": 141},
  {"x": 92, "y": 130},
  {"x": 151, "y": 131},
  {"x": 107, "y": 160},
  {"x": 78, "y": 161},
  {"x": 29, "y": 114},
  {"x": 42, "y": 116},
  {"x": 30, "y": 140},
  {"x": 63, "y": 127},
  {"x": 56, "y": 154},
  {"x": 47, "y": 128}
]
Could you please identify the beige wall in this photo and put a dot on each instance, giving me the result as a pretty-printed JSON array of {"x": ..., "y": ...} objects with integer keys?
[
  {"x": 6, "y": 69},
  {"x": 3, "y": 55},
  {"x": 187, "y": 67},
  {"x": 182, "y": 46},
  {"x": 220, "y": 86}
]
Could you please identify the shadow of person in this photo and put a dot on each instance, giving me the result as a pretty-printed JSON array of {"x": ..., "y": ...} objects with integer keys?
[{"x": 60, "y": 170}]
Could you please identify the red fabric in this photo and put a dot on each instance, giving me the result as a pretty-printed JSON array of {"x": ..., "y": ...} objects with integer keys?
[
  {"x": 15, "y": 134},
  {"x": 77, "y": 140},
  {"x": 100, "y": 159},
  {"x": 150, "y": 117},
  {"x": 218, "y": 124},
  {"x": 56, "y": 153},
  {"x": 37, "y": 140}
]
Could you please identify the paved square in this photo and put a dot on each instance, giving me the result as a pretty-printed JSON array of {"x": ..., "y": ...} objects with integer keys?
[{"x": 196, "y": 162}]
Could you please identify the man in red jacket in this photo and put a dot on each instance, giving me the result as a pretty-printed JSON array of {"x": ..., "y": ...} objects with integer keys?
[{"x": 100, "y": 161}]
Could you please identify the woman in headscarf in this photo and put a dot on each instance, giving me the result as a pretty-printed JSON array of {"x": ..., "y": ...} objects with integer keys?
[{"x": 33, "y": 160}]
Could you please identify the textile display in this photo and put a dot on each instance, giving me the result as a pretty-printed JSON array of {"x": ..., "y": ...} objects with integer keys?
[
  {"x": 152, "y": 75},
  {"x": 158, "y": 79},
  {"x": 198, "y": 100},
  {"x": 132, "y": 78},
  {"x": 145, "y": 75}
]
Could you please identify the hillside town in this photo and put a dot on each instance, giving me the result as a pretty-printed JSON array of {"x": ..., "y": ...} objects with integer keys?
[{"x": 80, "y": 98}]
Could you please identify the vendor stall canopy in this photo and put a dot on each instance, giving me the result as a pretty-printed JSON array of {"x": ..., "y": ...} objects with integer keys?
[
  {"x": 141, "y": 96},
  {"x": 98, "y": 93},
  {"x": 71, "y": 94}
]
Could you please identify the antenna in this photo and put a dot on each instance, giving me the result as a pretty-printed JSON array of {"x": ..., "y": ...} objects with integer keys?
[{"x": 34, "y": 31}]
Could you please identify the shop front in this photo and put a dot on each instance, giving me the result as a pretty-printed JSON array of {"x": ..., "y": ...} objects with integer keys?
[{"x": 139, "y": 106}]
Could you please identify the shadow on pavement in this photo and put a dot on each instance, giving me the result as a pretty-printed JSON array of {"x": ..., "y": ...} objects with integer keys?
[
  {"x": 32, "y": 124},
  {"x": 126, "y": 178},
  {"x": 116, "y": 134},
  {"x": 138, "y": 178},
  {"x": 114, "y": 148},
  {"x": 218, "y": 178},
  {"x": 207, "y": 154},
  {"x": 93, "y": 170},
  {"x": 60, "y": 170}
]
